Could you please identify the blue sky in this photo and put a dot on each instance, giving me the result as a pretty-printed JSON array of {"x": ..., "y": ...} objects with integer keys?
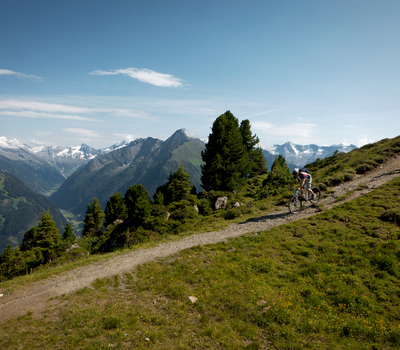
[{"x": 98, "y": 72}]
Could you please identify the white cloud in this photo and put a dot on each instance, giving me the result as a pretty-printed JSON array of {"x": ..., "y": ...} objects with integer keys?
[
  {"x": 41, "y": 106},
  {"x": 41, "y": 143},
  {"x": 145, "y": 76},
  {"x": 31, "y": 114},
  {"x": 349, "y": 126},
  {"x": 20, "y": 75},
  {"x": 298, "y": 132},
  {"x": 82, "y": 133},
  {"x": 43, "y": 133},
  {"x": 127, "y": 137},
  {"x": 33, "y": 109},
  {"x": 364, "y": 140}
]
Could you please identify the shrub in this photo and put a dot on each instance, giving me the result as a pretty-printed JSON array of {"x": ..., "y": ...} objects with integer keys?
[
  {"x": 392, "y": 215},
  {"x": 363, "y": 168}
]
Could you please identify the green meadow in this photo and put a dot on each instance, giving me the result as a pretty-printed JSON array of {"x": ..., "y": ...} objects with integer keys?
[{"x": 327, "y": 282}]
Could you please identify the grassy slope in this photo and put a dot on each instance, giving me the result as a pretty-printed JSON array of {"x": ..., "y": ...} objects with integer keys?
[
  {"x": 330, "y": 281},
  {"x": 342, "y": 167}
]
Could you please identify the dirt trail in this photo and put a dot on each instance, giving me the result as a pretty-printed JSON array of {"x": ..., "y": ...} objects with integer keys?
[{"x": 35, "y": 296}]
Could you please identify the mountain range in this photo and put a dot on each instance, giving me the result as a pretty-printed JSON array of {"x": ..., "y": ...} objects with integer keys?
[
  {"x": 72, "y": 176},
  {"x": 298, "y": 156}
]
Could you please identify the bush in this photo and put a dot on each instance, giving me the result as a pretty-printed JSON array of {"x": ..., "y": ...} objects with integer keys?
[
  {"x": 231, "y": 214},
  {"x": 392, "y": 215},
  {"x": 363, "y": 168}
]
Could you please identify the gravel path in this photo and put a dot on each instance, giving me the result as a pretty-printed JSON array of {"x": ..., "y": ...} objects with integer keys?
[{"x": 34, "y": 297}]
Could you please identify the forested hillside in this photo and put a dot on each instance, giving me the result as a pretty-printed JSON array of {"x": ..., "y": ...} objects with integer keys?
[{"x": 20, "y": 210}]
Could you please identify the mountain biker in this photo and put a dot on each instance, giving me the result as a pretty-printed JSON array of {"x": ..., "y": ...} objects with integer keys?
[{"x": 305, "y": 181}]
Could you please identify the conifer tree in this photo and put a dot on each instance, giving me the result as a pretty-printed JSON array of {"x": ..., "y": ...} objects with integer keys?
[
  {"x": 226, "y": 162},
  {"x": 258, "y": 164},
  {"x": 29, "y": 240},
  {"x": 46, "y": 235},
  {"x": 138, "y": 203},
  {"x": 115, "y": 209},
  {"x": 94, "y": 219},
  {"x": 280, "y": 174},
  {"x": 68, "y": 234},
  {"x": 179, "y": 184}
]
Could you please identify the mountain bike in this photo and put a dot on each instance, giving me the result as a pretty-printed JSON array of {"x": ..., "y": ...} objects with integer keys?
[{"x": 296, "y": 202}]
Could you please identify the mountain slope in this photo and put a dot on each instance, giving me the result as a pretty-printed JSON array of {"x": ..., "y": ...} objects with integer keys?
[
  {"x": 36, "y": 173},
  {"x": 20, "y": 210},
  {"x": 144, "y": 161}
]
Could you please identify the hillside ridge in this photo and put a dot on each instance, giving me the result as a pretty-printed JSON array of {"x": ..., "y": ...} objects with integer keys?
[{"x": 34, "y": 297}]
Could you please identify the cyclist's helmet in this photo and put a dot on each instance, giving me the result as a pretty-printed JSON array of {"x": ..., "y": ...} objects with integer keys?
[{"x": 295, "y": 171}]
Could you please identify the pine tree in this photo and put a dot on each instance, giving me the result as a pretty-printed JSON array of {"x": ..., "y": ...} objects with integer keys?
[
  {"x": 46, "y": 235},
  {"x": 177, "y": 188},
  {"x": 280, "y": 174},
  {"x": 29, "y": 240},
  {"x": 94, "y": 219},
  {"x": 115, "y": 209},
  {"x": 138, "y": 203},
  {"x": 225, "y": 157},
  {"x": 258, "y": 164},
  {"x": 68, "y": 234}
]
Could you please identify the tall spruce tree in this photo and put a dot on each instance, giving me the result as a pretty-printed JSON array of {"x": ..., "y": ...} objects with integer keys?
[
  {"x": 258, "y": 164},
  {"x": 138, "y": 203},
  {"x": 178, "y": 187},
  {"x": 226, "y": 162},
  {"x": 94, "y": 219},
  {"x": 68, "y": 234},
  {"x": 115, "y": 209}
]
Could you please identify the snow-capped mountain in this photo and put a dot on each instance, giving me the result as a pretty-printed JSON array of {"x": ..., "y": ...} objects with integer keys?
[
  {"x": 65, "y": 159},
  {"x": 300, "y": 155},
  {"x": 12, "y": 143}
]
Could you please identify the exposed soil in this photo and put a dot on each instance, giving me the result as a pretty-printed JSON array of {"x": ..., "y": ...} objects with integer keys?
[{"x": 35, "y": 296}]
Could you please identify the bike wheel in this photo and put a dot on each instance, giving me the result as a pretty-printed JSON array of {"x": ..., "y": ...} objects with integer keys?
[
  {"x": 317, "y": 193},
  {"x": 295, "y": 205}
]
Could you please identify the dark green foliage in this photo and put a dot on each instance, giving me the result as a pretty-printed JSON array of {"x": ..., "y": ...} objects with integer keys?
[
  {"x": 225, "y": 157},
  {"x": 159, "y": 197},
  {"x": 278, "y": 179},
  {"x": 68, "y": 234},
  {"x": 20, "y": 210},
  {"x": 138, "y": 203},
  {"x": 258, "y": 164},
  {"x": 177, "y": 188},
  {"x": 93, "y": 220},
  {"x": 392, "y": 215},
  {"x": 41, "y": 244},
  {"x": 115, "y": 209},
  {"x": 29, "y": 240}
]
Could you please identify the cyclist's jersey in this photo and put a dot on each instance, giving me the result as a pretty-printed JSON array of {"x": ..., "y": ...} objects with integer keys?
[{"x": 304, "y": 176}]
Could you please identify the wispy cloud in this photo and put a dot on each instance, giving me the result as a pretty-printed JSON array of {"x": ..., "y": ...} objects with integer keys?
[
  {"x": 33, "y": 109},
  {"x": 254, "y": 115},
  {"x": 32, "y": 114},
  {"x": 20, "y": 75},
  {"x": 292, "y": 130},
  {"x": 82, "y": 133},
  {"x": 43, "y": 133},
  {"x": 145, "y": 75}
]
